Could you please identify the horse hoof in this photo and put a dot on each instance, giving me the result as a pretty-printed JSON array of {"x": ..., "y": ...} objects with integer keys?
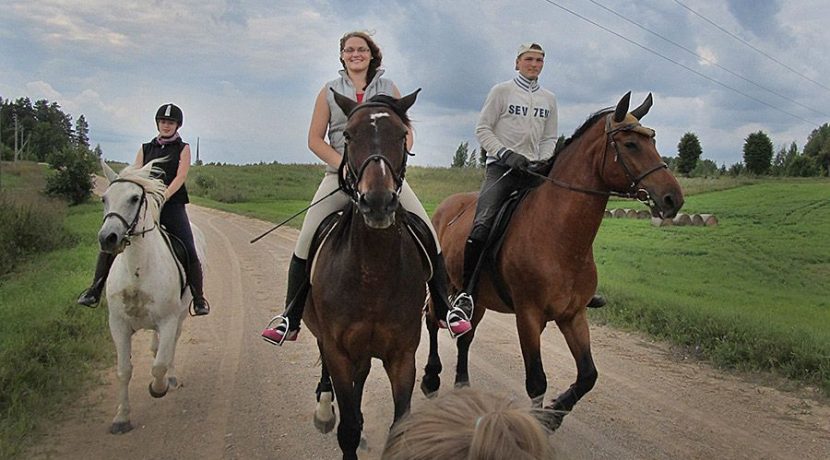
[
  {"x": 121, "y": 427},
  {"x": 462, "y": 384},
  {"x": 157, "y": 395},
  {"x": 552, "y": 419},
  {"x": 173, "y": 383},
  {"x": 430, "y": 385},
  {"x": 325, "y": 426},
  {"x": 364, "y": 444}
]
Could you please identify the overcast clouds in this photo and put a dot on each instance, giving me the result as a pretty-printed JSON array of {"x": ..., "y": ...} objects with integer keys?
[{"x": 246, "y": 72}]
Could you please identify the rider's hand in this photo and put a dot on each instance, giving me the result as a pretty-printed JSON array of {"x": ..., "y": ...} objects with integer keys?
[{"x": 515, "y": 160}]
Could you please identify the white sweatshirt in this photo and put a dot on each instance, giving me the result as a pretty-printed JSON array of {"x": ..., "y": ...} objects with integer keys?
[{"x": 521, "y": 116}]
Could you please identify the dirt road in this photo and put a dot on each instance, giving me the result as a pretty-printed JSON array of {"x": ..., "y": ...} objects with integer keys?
[{"x": 244, "y": 399}]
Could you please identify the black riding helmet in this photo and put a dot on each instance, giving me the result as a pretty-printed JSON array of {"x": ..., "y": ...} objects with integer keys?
[{"x": 170, "y": 112}]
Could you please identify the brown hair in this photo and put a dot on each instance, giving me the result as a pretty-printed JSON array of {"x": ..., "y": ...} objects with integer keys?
[
  {"x": 467, "y": 424},
  {"x": 377, "y": 56}
]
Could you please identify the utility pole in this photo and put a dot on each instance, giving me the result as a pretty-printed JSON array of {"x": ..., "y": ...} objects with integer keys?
[
  {"x": 197, "y": 151},
  {"x": 15, "y": 137}
]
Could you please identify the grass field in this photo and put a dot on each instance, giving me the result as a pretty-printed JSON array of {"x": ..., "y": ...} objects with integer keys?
[{"x": 49, "y": 347}]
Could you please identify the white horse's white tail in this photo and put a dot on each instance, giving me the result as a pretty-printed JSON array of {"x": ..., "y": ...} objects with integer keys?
[{"x": 143, "y": 289}]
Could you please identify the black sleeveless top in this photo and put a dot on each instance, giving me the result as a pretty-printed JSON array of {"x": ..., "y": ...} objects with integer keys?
[{"x": 153, "y": 150}]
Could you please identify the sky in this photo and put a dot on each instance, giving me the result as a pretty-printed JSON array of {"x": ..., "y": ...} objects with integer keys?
[{"x": 246, "y": 72}]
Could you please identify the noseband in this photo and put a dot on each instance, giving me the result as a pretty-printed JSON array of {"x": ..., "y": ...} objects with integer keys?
[
  {"x": 130, "y": 232},
  {"x": 346, "y": 175}
]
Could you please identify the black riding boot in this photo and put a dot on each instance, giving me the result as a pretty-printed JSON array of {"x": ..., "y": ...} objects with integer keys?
[
  {"x": 296, "y": 292},
  {"x": 597, "y": 301},
  {"x": 92, "y": 295},
  {"x": 472, "y": 256},
  {"x": 438, "y": 286},
  {"x": 196, "y": 280}
]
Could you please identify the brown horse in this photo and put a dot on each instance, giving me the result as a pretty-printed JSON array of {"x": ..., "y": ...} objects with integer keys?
[
  {"x": 369, "y": 277},
  {"x": 546, "y": 264}
]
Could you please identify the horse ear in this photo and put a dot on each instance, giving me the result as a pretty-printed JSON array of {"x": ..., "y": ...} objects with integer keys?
[
  {"x": 642, "y": 110},
  {"x": 406, "y": 102},
  {"x": 622, "y": 108},
  {"x": 345, "y": 104},
  {"x": 108, "y": 172}
]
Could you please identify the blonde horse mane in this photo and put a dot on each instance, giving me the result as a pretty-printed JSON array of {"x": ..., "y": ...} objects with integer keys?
[
  {"x": 153, "y": 187},
  {"x": 468, "y": 424}
]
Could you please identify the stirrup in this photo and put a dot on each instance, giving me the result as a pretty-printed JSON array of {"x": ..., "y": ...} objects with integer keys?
[
  {"x": 280, "y": 333},
  {"x": 88, "y": 300},
  {"x": 195, "y": 310},
  {"x": 458, "y": 322}
]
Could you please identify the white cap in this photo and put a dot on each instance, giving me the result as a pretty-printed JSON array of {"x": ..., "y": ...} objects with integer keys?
[{"x": 526, "y": 47}]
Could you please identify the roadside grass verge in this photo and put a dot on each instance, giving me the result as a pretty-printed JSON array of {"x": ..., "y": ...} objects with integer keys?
[
  {"x": 749, "y": 294},
  {"x": 49, "y": 347}
]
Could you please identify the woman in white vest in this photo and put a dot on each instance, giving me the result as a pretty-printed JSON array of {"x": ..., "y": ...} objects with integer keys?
[{"x": 360, "y": 79}]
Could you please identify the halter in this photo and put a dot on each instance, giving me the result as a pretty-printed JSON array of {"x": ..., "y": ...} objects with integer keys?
[
  {"x": 131, "y": 226},
  {"x": 347, "y": 178}
]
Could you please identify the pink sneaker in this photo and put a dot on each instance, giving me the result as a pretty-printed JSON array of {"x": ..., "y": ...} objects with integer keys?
[{"x": 278, "y": 334}]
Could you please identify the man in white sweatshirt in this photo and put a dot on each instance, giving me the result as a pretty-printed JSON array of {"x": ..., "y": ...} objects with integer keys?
[{"x": 517, "y": 126}]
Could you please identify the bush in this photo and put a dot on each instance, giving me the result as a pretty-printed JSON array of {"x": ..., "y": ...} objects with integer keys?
[
  {"x": 72, "y": 178},
  {"x": 29, "y": 225}
]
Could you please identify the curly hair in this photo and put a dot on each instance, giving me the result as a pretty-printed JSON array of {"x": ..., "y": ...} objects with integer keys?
[{"x": 377, "y": 56}]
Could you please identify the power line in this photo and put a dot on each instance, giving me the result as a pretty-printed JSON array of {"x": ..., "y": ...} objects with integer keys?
[
  {"x": 750, "y": 45},
  {"x": 693, "y": 53},
  {"x": 680, "y": 64}
]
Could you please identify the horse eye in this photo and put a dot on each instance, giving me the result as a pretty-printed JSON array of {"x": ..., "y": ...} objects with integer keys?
[
  {"x": 630, "y": 145},
  {"x": 134, "y": 199}
]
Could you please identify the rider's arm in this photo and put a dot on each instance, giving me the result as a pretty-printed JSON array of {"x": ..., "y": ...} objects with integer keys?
[
  {"x": 181, "y": 173},
  {"x": 547, "y": 144},
  {"x": 410, "y": 138},
  {"x": 485, "y": 130},
  {"x": 317, "y": 131}
]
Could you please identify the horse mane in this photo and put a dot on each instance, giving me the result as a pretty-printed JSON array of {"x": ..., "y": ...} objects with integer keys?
[
  {"x": 587, "y": 124},
  {"x": 153, "y": 187},
  {"x": 392, "y": 103},
  {"x": 467, "y": 423}
]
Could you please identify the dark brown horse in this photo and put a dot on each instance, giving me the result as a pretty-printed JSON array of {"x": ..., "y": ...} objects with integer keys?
[
  {"x": 546, "y": 263},
  {"x": 369, "y": 278}
]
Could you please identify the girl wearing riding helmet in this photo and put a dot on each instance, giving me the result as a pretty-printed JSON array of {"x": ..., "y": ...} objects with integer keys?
[
  {"x": 360, "y": 80},
  {"x": 168, "y": 145}
]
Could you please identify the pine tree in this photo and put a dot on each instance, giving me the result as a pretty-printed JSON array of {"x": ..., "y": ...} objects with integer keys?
[
  {"x": 758, "y": 153},
  {"x": 688, "y": 153},
  {"x": 82, "y": 132}
]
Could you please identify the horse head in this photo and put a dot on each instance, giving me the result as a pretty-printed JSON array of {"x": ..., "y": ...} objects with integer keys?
[
  {"x": 129, "y": 199},
  {"x": 637, "y": 169},
  {"x": 374, "y": 159}
]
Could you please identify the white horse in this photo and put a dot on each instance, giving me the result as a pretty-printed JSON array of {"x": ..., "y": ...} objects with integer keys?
[{"x": 144, "y": 288}]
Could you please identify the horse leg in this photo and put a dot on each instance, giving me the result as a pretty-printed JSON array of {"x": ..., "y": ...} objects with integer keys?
[
  {"x": 172, "y": 379},
  {"x": 432, "y": 379},
  {"x": 462, "y": 366},
  {"x": 530, "y": 338},
  {"x": 167, "y": 348},
  {"x": 578, "y": 338},
  {"x": 360, "y": 381},
  {"x": 324, "y": 416},
  {"x": 342, "y": 375},
  {"x": 401, "y": 372},
  {"x": 122, "y": 337}
]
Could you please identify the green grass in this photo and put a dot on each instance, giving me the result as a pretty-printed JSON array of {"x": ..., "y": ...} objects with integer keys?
[
  {"x": 751, "y": 293},
  {"x": 49, "y": 347}
]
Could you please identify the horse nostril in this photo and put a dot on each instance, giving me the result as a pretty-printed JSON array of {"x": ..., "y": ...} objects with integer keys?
[{"x": 112, "y": 238}]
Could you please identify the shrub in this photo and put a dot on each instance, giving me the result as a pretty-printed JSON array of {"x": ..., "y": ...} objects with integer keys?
[
  {"x": 72, "y": 178},
  {"x": 29, "y": 224}
]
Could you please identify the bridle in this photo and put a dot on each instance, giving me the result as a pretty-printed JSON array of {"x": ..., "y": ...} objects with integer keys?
[
  {"x": 130, "y": 232},
  {"x": 634, "y": 191},
  {"x": 346, "y": 175}
]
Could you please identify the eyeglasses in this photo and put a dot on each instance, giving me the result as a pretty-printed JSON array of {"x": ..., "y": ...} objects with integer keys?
[{"x": 360, "y": 50}]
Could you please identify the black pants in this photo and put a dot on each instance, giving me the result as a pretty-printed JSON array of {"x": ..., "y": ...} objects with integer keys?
[
  {"x": 494, "y": 191},
  {"x": 174, "y": 219}
]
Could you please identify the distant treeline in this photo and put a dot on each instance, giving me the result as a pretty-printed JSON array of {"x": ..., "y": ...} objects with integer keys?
[{"x": 36, "y": 131}]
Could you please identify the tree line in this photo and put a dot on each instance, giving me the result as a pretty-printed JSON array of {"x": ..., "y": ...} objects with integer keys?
[
  {"x": 42, "y": 132},
  {"x": 759, "y": 157}
]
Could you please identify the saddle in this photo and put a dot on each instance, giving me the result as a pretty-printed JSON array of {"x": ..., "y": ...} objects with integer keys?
[
  {"x": 180, "y": 254},
  {"x": 340, "y": 219}
]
